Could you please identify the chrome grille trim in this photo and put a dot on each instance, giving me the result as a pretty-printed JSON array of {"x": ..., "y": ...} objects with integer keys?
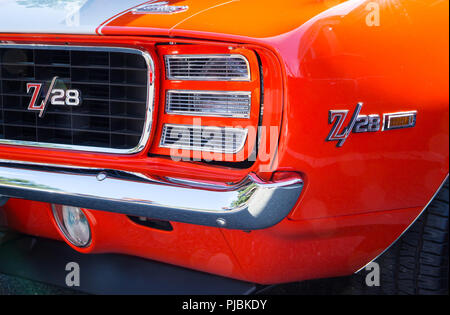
[
  {"x": 209, "y": 103},
  {"x": 191, "y": 137},
  {"x": 145, "y": 135},
  {"x": 193, "y": 67}
]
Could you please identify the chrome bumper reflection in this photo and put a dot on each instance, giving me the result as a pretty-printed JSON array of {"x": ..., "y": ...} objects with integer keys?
[{"x": 247, "y": 205}]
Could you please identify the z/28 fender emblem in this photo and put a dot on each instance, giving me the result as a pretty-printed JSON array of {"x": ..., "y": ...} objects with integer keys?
[
  {"x": 57, "y": 97},
  {"x": 366, "y": 123}
]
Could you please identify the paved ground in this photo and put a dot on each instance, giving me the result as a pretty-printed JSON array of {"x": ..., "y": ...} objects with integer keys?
[{"x": 10, "y": 285}]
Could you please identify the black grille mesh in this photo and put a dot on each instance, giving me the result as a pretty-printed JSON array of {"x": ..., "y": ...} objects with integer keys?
[{"x": 113, "y": 86}]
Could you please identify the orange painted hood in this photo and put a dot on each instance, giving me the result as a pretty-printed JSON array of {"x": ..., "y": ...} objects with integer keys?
[
  {"x": 202, "y": 18},
  {"x": 231, "y": 18},
  {"x": 160, "y": 24}
]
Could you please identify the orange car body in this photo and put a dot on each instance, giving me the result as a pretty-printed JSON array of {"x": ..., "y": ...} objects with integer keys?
[{"x": 316, "y": 56}]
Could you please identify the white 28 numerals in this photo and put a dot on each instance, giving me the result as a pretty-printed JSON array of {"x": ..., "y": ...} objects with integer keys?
[{"x": 65, "y": 97}]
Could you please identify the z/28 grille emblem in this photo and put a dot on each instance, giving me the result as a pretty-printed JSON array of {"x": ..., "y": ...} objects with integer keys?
[
  {"x": 366, "y": 123},
  {"x": 56, "y": 96}
]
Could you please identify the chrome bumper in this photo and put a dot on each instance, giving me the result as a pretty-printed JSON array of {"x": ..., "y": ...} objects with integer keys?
[{"x": 247, "y": 205}]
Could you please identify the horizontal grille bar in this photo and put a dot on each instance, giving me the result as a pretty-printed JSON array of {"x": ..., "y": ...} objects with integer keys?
[
  {"x": 203, "y": 138},
  {"x": 207, "y": 67},
  {"x": 114, "y": 89},
  {"x": 209, "y": 103}
]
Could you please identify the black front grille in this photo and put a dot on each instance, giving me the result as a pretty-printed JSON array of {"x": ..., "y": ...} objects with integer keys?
[{"x": 113, "y": 87}]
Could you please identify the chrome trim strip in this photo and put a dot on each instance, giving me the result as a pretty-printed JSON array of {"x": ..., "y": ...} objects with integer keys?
[
  {"x": 206, "y": 92},
  {"x": 217, "y": 56},
  {"x": 414, "y": 221},
  {"x": 150, "y": 100},
  {"x": 246, "y": 205},
  {"x": 198, "y": 148},
  {"x": 160, "y": 7}
]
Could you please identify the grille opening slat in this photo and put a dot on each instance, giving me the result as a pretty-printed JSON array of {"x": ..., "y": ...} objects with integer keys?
[
  {"x": 113, "y": 83},
  {"x": 134, "y": 110},
  {"x": 12, "y": 71},
  {"x": 127, "y": 93},
  {"x": 54, "y": 136},
  {"x": 128, "y": 77},
  {"x": 126, "y": 126},
  {"x": 126, "y": 61},
  {"x": 91, "y": 123},
  {"x": 92, "y": 107},
  {"x": 87, "y": 138},
  {"x": 43, "y": 73},
  {"x": 22, "y": 118},
  {"x": 87, "y": 75},
  {"x": 54, "y": 120},
  {"x": 123, "y": 141},
  {"x": 89, "y": 58},
  {"x": 14, "y": 88},
  {"x": 209, "y": 103},
  {"x": 47, "y": 57},
  {"x": 20, "y": 133},
  {"x": 207, "y": 67},
  {"x": 16, "y": 56},
  {"x": 203, "y": 138}
]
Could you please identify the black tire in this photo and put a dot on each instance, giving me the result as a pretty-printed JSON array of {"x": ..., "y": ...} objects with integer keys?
[{"x": 418, "y": 262}]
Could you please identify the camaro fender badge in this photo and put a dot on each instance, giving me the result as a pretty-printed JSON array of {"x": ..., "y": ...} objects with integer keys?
[
  {"x": 160, "y": 7},
  {"x": 366, "y": 123},
  {"x": 70, "y": 97}
]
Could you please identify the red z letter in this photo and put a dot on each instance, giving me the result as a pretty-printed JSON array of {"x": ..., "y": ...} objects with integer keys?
[{"x": 37, "y": 90}]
